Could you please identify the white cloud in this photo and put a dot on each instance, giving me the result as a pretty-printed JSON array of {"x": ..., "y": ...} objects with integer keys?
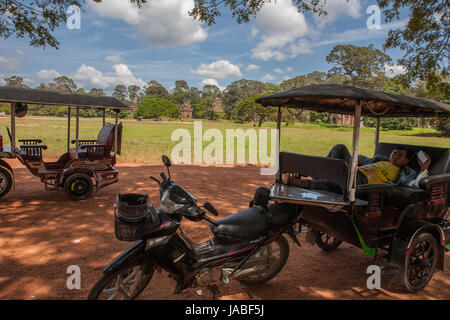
[
  {"x": 47, "y": 74},
  {"x": 267, "y": 77},
  {"x": 9, "y": 63},
  {"x": 93, "y": 77},
  {"x": 280, "y": 24},
  {"x": 392, "y": 70},
  {"x": 161, "y": 23},
  {"x": 289, "y": 69},
  {"x": 252, "y": 67},
  {"x": 213, "y": 82},
  {"x": 220, "y": 69},
  {"x": 338, "y": 8},
  {"x": 119, "y": 9},
  {"x": 278, "y": 70},
  {"x": 115, "y": 58},
  {"x": 302, "y": 46}
]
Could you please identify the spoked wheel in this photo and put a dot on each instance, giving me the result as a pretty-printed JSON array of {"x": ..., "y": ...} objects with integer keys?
[
  {"x": 420, "y": 262},
  {"x": 6, "y": 181},
  {"x": 124, "y": 284},
  {"x": 78, "y": 186},
  {"x": 273, "y": 256},
  {"x": 327, "y": 242}
]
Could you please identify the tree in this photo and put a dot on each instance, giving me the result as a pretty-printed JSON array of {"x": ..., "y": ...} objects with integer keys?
[
  {"x": 210, "y": 88},
  {"x": 181, "y": 85},
  {"x": 363, "y": 65},
  {"x": 424, "y": 38},
  {"x": 120, "y": 92},
  {"x": 63, "y": 84},
  {"x": 15, "y": 81},
  {"x": 37, "y": 20},
  {"x": 97, "y": 92},
  {"x": 208, "y": 10},
  {"x": 198, "y": 111},
  {"x": 156, "y": 107},
  {"x": 237, "y": 91},
  {"x": 42, "y": 86},
  {"x": 156, "y": 89},
  {"x": 133, "y": 93}
]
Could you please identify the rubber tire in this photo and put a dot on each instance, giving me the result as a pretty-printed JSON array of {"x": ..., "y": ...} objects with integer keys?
[
  {"x": 71, "y": 179},
  {"x": 106, "y": 278},
  {"x": 9, "y": 181},
  {"x": 421, "y": 237},
  {"x": 327, "y": 247},
  {"x": 284, "y": 255}
]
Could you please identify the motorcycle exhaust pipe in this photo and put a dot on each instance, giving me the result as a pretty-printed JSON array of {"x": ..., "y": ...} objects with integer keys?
[{"x": 238, "y": 274}]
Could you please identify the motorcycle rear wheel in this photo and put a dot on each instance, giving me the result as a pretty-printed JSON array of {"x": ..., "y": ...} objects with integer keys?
[
  {"x": 126, "y": 283},
  {"x": 277, "y": 253}
]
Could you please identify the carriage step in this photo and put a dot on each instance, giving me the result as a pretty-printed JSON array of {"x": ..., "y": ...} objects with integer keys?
[{"x": 50, "y": 182}]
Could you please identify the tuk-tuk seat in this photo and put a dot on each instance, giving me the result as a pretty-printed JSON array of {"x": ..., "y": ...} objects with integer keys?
[
  {"x": 32, "y": 152},
  {"x": 333, "y": 170},
  {"x": 96, "y": 148},
  {"x": 401, "y": 196}
]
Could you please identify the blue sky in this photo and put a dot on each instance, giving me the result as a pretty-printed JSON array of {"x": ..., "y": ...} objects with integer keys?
[{"x": 121, "y": 44}]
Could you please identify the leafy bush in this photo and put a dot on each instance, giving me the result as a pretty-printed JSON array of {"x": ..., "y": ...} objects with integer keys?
[
  {"x": 156, "y": 107},
  {"x": 392, "y": 123},
  {"x": 319, "y": 117},
  {"x": 444, "y": 127}
]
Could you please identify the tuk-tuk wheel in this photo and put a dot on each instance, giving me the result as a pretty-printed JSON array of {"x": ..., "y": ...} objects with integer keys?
[
  {"x": 6, "y": 181},
  {"x": 326, "y": 242},
  {"x": 421, "y": 262},
  {"x": 78, "y": 186}
]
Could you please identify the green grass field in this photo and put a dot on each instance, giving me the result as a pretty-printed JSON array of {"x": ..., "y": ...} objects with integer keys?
[{"x": 145, "y": 141}]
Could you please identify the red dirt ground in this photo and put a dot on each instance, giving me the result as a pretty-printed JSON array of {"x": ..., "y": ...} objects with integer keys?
[{"x": 42, "y": 233}]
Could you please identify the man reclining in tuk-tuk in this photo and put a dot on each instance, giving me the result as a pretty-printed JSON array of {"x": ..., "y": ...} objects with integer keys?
[{"x": 371, "y": 170}]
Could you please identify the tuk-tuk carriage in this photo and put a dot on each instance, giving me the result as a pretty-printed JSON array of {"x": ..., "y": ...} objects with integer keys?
[
  {"x": 409, "y": 228},
  {"x": 86, "y": 164}
]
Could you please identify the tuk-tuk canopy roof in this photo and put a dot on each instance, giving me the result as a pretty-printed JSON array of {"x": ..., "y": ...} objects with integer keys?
[
  {"x": 44, "y": 97},
  {"x": 336, "y": 98}
]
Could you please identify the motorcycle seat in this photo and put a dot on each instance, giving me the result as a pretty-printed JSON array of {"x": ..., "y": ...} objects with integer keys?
[
  {"x": 251, "y": 223},
  {"x": 244, "y": 225}
]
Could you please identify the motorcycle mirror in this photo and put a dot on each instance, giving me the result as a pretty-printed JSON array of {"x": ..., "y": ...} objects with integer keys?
[
  {"x": 208, "y": 206},
  {"x": 166, "y": 161}
]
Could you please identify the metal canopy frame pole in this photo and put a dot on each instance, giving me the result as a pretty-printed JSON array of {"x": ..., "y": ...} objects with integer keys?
[
  {"x": 278, "y": 176},
  {"x": 13, "y": 127},
  {"x": 351, "y": 183},
  {"x": 77, "y": 131},
  {"x": 68, "y": 129},
  {"x": 377, "y": 132},
  {"x": 115, "y": 131}
]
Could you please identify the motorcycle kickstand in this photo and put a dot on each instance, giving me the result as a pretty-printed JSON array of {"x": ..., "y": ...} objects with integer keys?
[
  {"x": 291, "y": 232},
  {"x": 214, "y": 290}
]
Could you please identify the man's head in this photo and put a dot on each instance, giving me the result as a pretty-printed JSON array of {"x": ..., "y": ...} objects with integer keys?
[{"x": 399, "y": 157}]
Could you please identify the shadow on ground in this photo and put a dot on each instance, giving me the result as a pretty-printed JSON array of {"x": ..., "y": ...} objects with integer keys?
[{"x": 43, "y": 233}]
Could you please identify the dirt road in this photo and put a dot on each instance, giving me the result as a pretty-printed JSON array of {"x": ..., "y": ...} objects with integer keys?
[{"x": 42, "y": 233}]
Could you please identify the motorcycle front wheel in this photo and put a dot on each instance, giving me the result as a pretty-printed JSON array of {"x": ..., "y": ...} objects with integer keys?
[
  {"x": 126, "y": 283},
  {"x": 276, "y": 254}
]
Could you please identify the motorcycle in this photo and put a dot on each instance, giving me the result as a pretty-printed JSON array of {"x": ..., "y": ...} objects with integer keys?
[{"x": 248, "y": 246}]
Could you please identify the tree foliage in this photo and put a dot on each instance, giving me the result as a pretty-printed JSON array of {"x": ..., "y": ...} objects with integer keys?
[
  {"x": 37, "y": 19},
  {"x": 363, "y": 65},
  {"x": 156, "y": 107},
  {"x": 424, "y": 38}
]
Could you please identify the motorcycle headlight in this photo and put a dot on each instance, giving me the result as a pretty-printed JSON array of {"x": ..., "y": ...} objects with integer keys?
[{"x": 167, "y": 205}]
